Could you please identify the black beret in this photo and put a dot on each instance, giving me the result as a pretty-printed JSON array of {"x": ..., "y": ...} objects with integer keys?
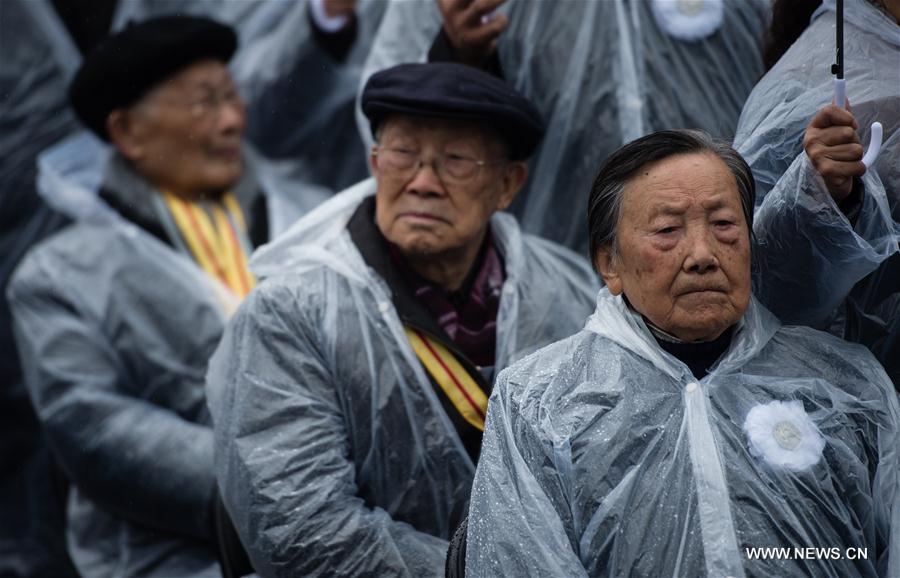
[
  {"x": 127, "y": 64},
  {"x": 454, "y": 91}
]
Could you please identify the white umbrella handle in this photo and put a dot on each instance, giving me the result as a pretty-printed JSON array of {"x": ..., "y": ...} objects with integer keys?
[
  {"x": 876, "y": 133},
  {"x": 874, "y": 145},
  {"x": 840, "y": 93}
]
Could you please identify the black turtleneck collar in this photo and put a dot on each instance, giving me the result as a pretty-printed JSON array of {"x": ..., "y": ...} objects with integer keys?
[{"x": 698, "y": 356}]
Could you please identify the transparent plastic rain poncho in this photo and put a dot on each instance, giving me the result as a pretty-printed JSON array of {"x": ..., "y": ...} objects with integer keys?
[
  {"x": 604, "y": 456},
  {"x": 114, "y": 330},
  {"x": 815, "y": 268},
  {"x": 36, "y": 58},
  {"x": 333, "y": 453},
  {"x": 601, "y": 74},
  {"x": 300, "y": 99}
]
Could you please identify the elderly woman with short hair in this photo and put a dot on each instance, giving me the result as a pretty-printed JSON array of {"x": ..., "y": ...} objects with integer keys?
[{"x": 684, "y": 427}]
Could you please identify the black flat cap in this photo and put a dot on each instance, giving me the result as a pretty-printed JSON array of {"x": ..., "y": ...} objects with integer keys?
[
  {"x": 454, "y": 91},
  {"x": 127, "y": 64}
]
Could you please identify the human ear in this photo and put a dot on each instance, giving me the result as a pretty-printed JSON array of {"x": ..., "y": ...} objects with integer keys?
[
  {"x": 124, "y": 134},
  {"x": 373, "y": 160},
  {"x": 513, "y": 179},
  {"x": 608, "y": 265}
]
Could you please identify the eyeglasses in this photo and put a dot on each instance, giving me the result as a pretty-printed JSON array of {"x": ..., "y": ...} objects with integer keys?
[
  {"x": 450, "y": 169},
  {"x": 209, "y": 106}
]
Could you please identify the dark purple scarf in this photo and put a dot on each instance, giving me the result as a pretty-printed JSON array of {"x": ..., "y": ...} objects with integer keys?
[{"x": 468, "y": 315}]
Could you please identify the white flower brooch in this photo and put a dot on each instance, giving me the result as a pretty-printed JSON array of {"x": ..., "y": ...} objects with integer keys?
[
  {"x": 783, "y": 434},
  {"x": 688, "y": 20}
]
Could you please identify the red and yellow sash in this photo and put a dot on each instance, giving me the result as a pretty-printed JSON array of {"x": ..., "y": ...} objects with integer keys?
[
  {"x": 213, "y": 241},
  {"x": 468, "y": 399}
]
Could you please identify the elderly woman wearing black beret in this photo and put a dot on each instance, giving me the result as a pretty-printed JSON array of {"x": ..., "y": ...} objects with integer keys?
[
  {"x": 350, "y": 390},
  {"x": 115, "y": 320}
]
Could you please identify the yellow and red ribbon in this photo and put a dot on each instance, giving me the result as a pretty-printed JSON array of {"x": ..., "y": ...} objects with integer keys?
[
  {"x": 214, "y": 242},
  {"x": 456, "y": 383}
]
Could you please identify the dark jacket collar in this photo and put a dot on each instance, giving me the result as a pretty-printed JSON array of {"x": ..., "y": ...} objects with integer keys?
[{"x": 375, "y": 252}]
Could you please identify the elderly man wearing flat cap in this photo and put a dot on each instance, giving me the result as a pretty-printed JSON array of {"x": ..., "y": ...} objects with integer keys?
[
  {"x": 115, "y": 320},
  {"x": 350, "y": 389}
]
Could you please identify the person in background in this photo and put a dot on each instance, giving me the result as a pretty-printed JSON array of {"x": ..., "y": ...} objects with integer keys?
[
  {"x": 789, "y": 19},
  {"x": 350, "y": 389},
  {"x": 115, "y": 317},
  {"x": 298, "y": 69},
  {"x": 40, "y": 48},
  {"x": 827, "y": 228},
  {"x": 600, "y": 73},
  {"x": 684, "y": 427}
]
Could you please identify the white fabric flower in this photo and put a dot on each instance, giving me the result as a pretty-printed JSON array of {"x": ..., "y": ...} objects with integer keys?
[
  {"x": 783, "y": 435},
  {"x": 688, "y": 20}
]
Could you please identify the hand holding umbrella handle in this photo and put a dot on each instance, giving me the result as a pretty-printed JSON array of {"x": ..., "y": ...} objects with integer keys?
[{"x": 876, "y": 133}]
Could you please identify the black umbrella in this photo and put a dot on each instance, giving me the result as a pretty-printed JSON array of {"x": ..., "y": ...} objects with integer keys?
[{"x": 840, "y": 86}]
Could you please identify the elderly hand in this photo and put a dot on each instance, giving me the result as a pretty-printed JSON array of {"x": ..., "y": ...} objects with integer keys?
[
  {"x": 833, "y": 147},
  {"x": 472, "y": 28},
  {"x": 338, "y": 8}
]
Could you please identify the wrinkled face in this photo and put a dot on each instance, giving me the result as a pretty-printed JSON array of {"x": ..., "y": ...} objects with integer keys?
[
  {"x": 683, "y": 247},
  {"x": 893, "y": 8},
  {"x": 184, "y": 136},
  {"x": 427, "y": 214}
]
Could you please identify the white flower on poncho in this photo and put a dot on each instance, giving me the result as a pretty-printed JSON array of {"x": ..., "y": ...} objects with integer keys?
[
  {"x": 688, "y": 20},
  {"x": 783, "y": 434}
]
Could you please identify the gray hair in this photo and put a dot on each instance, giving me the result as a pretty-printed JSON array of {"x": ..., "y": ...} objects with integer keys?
[{"x": 605, "y": 202}]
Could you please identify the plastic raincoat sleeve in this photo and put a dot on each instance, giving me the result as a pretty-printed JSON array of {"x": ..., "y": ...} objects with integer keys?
[
  {"x": 282, "y": 451},
  {"x": 300, "y": 99},
  {"x": 141, "y": 461},
  {"x": 808, "y": 255},
  {"x": 405, "y": 34},
  {"x": 268, "y": 69},
  {"x": 518, "y": 502}
]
